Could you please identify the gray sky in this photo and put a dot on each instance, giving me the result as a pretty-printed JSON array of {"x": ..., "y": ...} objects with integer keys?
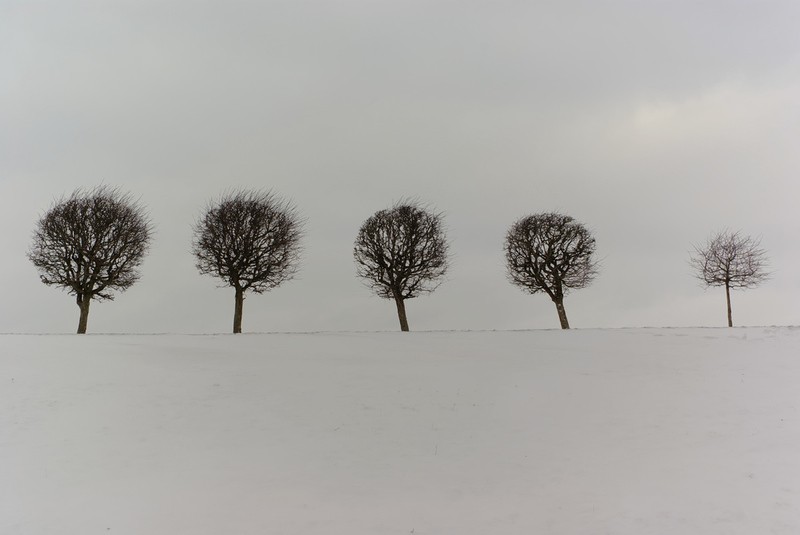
[{"x": 655, "y": 123}]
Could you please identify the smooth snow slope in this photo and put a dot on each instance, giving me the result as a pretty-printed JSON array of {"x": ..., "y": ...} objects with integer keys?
[{"x": 659, "y": 431}]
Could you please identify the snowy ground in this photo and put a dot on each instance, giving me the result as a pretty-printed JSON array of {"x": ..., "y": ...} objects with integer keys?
[{"x": 641, "y": 431}]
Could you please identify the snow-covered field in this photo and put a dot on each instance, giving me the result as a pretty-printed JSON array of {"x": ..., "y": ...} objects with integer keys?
[{"x": 641, "y": 431}]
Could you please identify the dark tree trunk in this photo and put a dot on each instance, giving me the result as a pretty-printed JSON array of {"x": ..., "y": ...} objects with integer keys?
[
  {"x": 728, "y": 298},
  {"x": 401, "y": 313},
  {"x": 562, "y": 314},
  {"x": 237, "y": 313},
  {"x": 83, "y": 303}
]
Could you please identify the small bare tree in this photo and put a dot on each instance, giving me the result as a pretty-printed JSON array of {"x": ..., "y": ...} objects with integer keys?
[
  {"x": 91, "y": 244},
  {"x": 402, "y": 252},
  {"x": 250, "y": 240},
  {"x": 550, "y": 253},
  {"x": 732, "y": 260}
]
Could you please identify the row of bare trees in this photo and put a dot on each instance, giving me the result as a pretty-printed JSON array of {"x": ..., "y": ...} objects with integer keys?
[{"x": 93, "y": 242}]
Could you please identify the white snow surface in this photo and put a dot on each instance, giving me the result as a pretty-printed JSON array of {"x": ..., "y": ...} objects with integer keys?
[{"x": 639, "y": 431}]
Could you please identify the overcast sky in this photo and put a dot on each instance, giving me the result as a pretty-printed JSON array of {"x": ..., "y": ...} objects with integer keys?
[{"x": 655, "y": 123}]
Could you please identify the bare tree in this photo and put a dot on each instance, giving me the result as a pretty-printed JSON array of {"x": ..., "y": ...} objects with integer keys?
[
  {"x": 91, "y": 244},
  {"x": 402, "y": 252},
  {"x": 732, "y": 260},
  {"x": 250, "y": 240},
  {"x": 550, "y": 253}
]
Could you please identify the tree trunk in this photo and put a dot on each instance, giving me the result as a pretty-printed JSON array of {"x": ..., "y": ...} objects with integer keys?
[
  {"x": 83, "y": 304},
  {"x": 401, "y": 313},
  {"x": 728, "y": 298},
  {"x": 237, "y": 313},
  {"x": 562, "y": 314}
]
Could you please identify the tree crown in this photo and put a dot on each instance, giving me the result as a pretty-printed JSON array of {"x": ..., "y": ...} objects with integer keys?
[
  {"x": 92, "y": 242},
  {"x": 550, "y": 253},
  {"x": 402, "y": 251},
  {"x": 732, "y": 259},
  {"x": 250, "y": 239}
]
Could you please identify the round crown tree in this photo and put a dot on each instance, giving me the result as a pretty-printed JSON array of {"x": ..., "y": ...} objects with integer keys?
[
  {"x": 91, "y": 244},
  {"x": 251, "y": 241},
  {"x": 732, "y": 260},
  {"x": 550, "y": 253},
  {"x": 402, "y": 252}
]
